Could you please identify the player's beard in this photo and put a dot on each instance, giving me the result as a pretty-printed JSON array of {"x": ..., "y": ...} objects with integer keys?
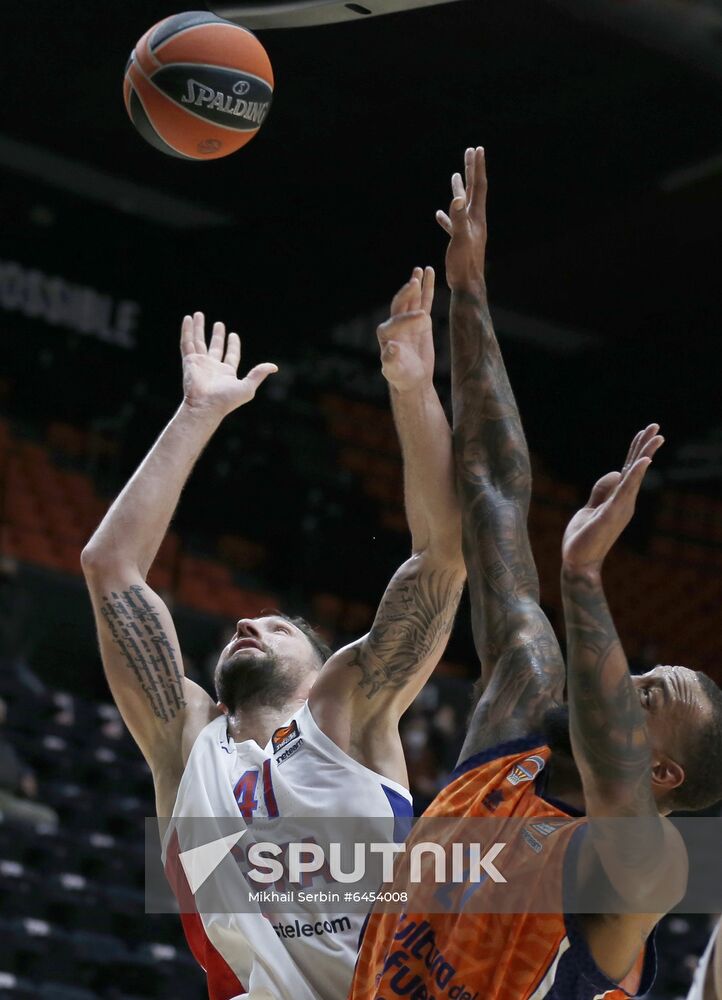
[
  {"x": 555, "y": 729},
  {"x": 246, "y": 680}
]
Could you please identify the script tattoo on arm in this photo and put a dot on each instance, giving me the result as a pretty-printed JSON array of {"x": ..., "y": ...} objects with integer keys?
[
  {"x": 493, "y": 470},
  {"x": 135, "y": 629},
  {"x": 414, "y": 620},
  {"x": 609, "y": 735}
]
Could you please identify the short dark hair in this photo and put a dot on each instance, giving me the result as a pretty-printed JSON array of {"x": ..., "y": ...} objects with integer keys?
[
  {"x": 702, "y": 785},
  {"x": 322, "y": 649}
]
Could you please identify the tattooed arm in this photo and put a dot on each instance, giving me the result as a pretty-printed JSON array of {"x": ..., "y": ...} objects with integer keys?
[
  {"x": 522, "y": 671},
  {"x": 365, "y": 688},
  {"x": 138, "y": 643},
  {"x": 643, "y": 862},
  {"x": 608, "y": 731}
]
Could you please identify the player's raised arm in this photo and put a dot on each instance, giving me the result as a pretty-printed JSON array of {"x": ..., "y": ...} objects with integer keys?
[
  {"x": 369, "y": 684},
  {"x": 407, "y": 362},
  {"x": 609, "y": 737},
  {"x": 522, "y": 671},
  {"x": 645, "y": 864},
  {"x": 138, "y": 642}
]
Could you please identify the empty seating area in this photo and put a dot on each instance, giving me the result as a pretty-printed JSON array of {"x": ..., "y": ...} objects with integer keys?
[
  {"x": 664, "y": 594},
  {"x": 49, "y": 509},
  {"x": 72, "y": 924}
]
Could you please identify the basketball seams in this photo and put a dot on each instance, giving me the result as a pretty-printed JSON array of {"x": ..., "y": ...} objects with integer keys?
[
  {"x": 194, "y": 27},
  {"x": 143, "y": 49},
  {"x": 162, "y": 138}
]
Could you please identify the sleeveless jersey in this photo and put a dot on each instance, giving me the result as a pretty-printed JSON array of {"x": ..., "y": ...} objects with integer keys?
[
  {"x": 696, "y": 991},
  {"x": 492, "y": 956},
  {"x": 300, "y": 773}
]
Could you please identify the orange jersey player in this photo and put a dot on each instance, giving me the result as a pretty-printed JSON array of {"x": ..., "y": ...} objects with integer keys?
[{"x": 622, "y": 746}]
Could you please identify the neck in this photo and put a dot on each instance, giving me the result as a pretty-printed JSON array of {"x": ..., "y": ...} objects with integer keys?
[
  {"x": 259, "y": 722},
  {"x": 564, "y": 782}
]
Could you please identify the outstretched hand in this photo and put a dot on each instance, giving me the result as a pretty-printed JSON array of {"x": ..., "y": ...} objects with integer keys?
[
  {"x": 594, "y": 529},
  {"x": 466, "y": 225},
  {"x": 406, "y": 338},
  {"x": 210, "y": 373}
]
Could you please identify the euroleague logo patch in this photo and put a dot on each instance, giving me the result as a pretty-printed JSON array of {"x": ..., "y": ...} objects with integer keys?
[
  {"x": 284, "y": 735},
  {"x": 526, "y": 771}
]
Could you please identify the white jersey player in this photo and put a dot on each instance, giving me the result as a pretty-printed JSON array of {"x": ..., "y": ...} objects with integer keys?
[
  {"x": 340, "y": 712},
  {"x": 302, "y": 773}
]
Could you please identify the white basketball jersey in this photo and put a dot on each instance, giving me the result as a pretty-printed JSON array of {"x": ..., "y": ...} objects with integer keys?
[
  {"x": 696, "y": 991},
  {"x": 300, "y": 773}
]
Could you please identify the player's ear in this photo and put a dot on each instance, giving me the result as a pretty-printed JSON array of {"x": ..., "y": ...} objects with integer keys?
[
  {"x": 223, "y": 708},
  {"x": 667, "y": 774}
]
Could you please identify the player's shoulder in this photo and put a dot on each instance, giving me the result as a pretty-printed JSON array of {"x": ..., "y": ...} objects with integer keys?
[{"x": 495, "y": 779}]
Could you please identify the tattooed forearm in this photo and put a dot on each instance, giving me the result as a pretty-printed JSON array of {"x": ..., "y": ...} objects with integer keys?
[
  {"x": 488, "y": 434},
  {"x": 609, "y": 736},
  {"x": 135, "y": 629},
  {"x": 494, "y": 481},
  {"x": 415, "y": 617}
]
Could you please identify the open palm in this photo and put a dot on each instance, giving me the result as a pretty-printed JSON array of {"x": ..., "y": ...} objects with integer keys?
[
  {"x": 594, "y": 529},
  {"x": 210, "y": 373}
]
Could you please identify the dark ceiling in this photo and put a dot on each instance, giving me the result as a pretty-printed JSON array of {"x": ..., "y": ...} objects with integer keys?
[{"x": 597, "y": 224}]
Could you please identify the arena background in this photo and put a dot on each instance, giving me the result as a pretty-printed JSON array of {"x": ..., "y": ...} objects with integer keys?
[{"x": 601, "y": 123}]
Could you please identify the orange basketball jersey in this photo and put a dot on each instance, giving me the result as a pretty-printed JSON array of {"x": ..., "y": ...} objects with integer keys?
[{"x": 492, "y": 956}]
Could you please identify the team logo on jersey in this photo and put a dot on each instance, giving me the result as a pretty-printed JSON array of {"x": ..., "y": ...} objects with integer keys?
[
  {"x": 284, "y": 735},
  {"x": 526, "y": 771}
]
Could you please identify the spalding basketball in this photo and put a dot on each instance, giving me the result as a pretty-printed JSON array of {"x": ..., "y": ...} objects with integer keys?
[{"x": 198, "y": 87}]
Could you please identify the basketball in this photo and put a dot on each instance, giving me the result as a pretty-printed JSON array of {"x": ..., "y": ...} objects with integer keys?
[{"x": 198, "y": 87}]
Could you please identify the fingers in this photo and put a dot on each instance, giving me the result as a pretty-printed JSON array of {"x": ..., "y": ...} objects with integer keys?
[
  {"x": 427, "y": 289},
  {"x": 470, "y": 195},
  {"x": 401, "y": 302},
  {"x": 417, "y": 277},
  {"x": 632, "y": 453},
  {"x": 199, "y": 333},
  {"x": 652, "y": 446},
  {"x": 629, "y": 487},
  {"x": 645, "y": 443},
  {"x": 233, "y": 351},
  {"x": 218, "y": 341},
  {"x": 259, "y": 374},
  {"x": 395, "y": 327},
  {"x": 186, "y": 341},
  {"x": 458, "y": 202},
  {"x": 477, "y": 198},
  {"x": 457, "y": 188},
  {"x": 445, "y": 222},
  {"x": 469, "y": 166}
]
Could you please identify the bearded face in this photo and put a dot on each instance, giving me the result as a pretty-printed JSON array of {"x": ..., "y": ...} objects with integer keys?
[{"x": 265, "y": 664}]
